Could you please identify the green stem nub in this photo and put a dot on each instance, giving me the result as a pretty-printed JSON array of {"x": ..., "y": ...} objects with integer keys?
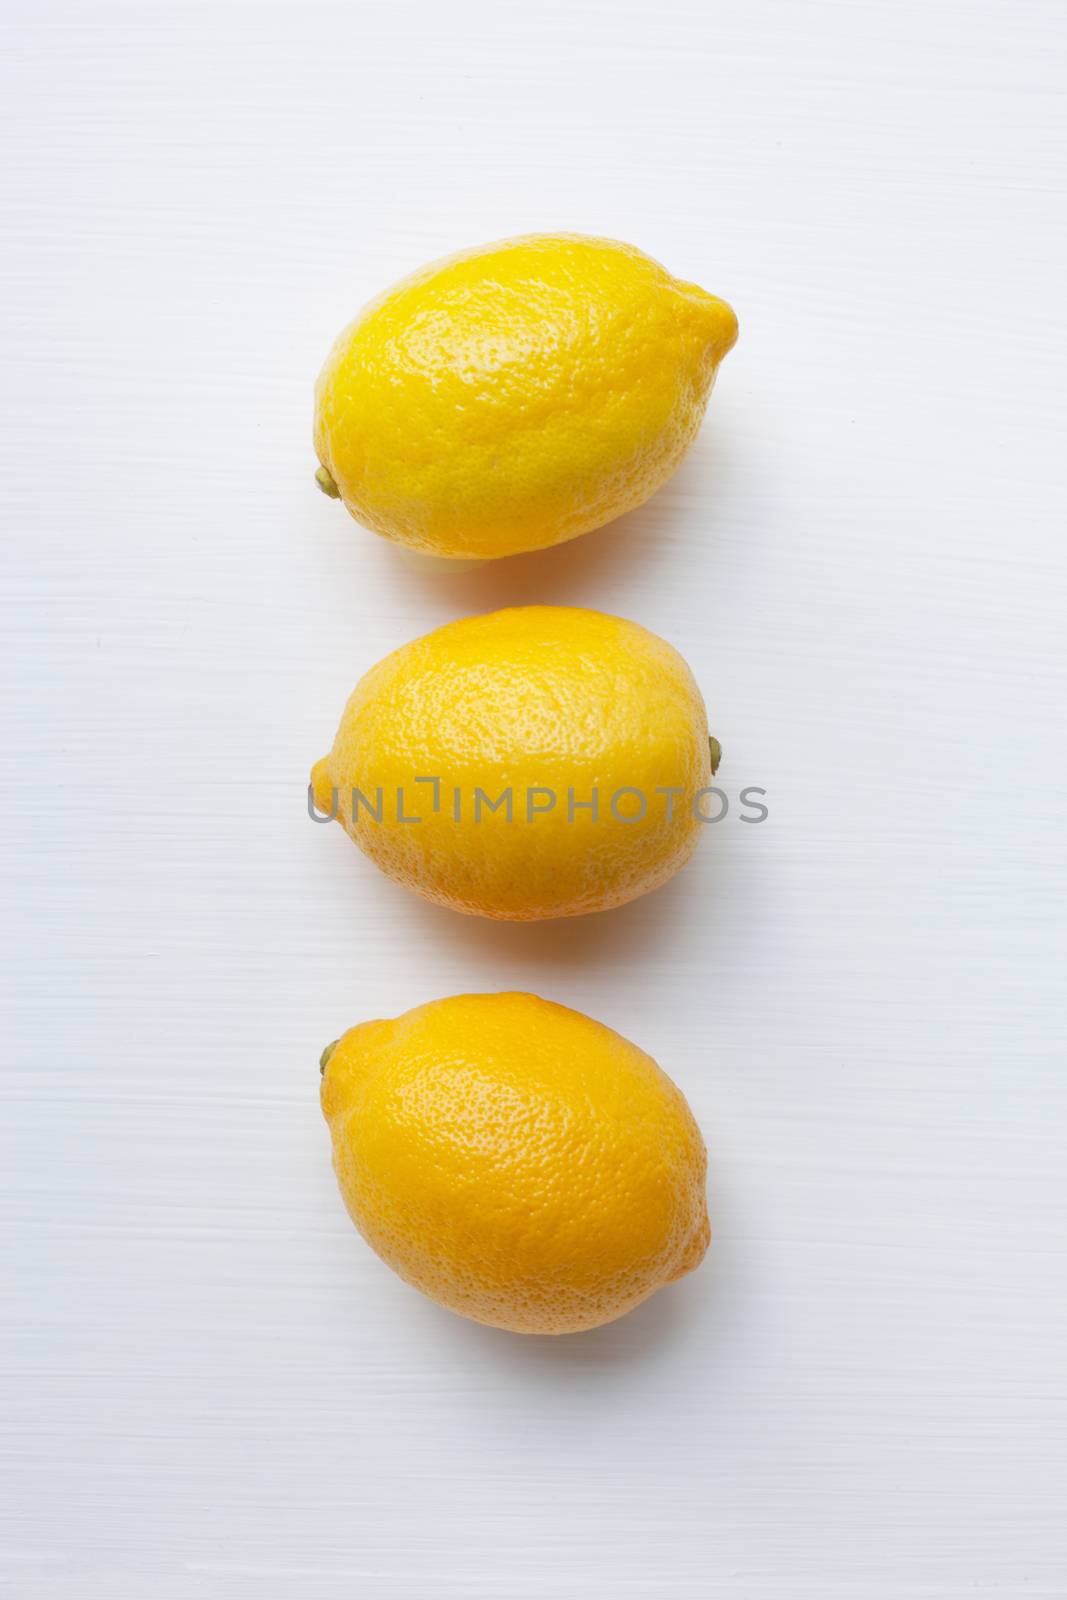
[
  {"x": 324, "y": 1059},
  {"x": 716, "y": 755},
  {"x": 326, "y": 484}
]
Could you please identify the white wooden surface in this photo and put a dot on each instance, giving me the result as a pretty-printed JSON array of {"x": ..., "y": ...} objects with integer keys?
[{"x": 213, "y": 1390}]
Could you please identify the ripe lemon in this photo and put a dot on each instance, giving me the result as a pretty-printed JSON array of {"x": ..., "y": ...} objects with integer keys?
[
  {"x": 543, "y": 761},
  {"x": 517, "y": 395},
  {"x": 516, "y": 1161}
]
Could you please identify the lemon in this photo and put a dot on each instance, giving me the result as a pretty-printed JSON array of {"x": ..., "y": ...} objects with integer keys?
[
  {"x": 543, "y": 761},
  {"x": 518, "y": 1162},
  {"x": 517, "y": 395}
]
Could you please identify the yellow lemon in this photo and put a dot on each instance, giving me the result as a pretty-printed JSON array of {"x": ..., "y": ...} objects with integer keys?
[
  {"x": 516, "y": 1161},
  {"x": 517, "y": 395},
  {"x": 543, "y": 761}
]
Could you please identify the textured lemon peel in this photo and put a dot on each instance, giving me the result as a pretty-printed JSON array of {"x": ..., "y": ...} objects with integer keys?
[{"x": 484, "y": 407}]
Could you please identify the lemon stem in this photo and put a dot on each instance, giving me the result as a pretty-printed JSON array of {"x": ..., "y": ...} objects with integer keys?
[
  {"x": 716, "y": 754},
  {"x": 324, "y": 1059},
  {"x": 326, "y": 484}
]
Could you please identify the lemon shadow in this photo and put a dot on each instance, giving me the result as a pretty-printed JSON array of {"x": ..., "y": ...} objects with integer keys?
[
  {"x": 574, "y": 573},
  {"x": 724, "y": 871},
  {"x": 653, "y": 1326},
  {"x": 612, "y": 938}
]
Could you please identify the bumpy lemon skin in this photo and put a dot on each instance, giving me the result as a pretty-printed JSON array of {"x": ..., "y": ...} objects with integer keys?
[
  {"x": 518, "y": 1162},
  {"x": 553, "y": 698},
  {"x": 516, "y": 395}
]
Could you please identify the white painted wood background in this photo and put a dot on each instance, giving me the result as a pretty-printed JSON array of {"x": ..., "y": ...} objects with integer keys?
[{"x": 213, "y": 1390}]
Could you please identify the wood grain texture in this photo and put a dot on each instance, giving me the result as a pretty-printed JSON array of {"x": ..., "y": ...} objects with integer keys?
[{"x": 212, "y": 1390}]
